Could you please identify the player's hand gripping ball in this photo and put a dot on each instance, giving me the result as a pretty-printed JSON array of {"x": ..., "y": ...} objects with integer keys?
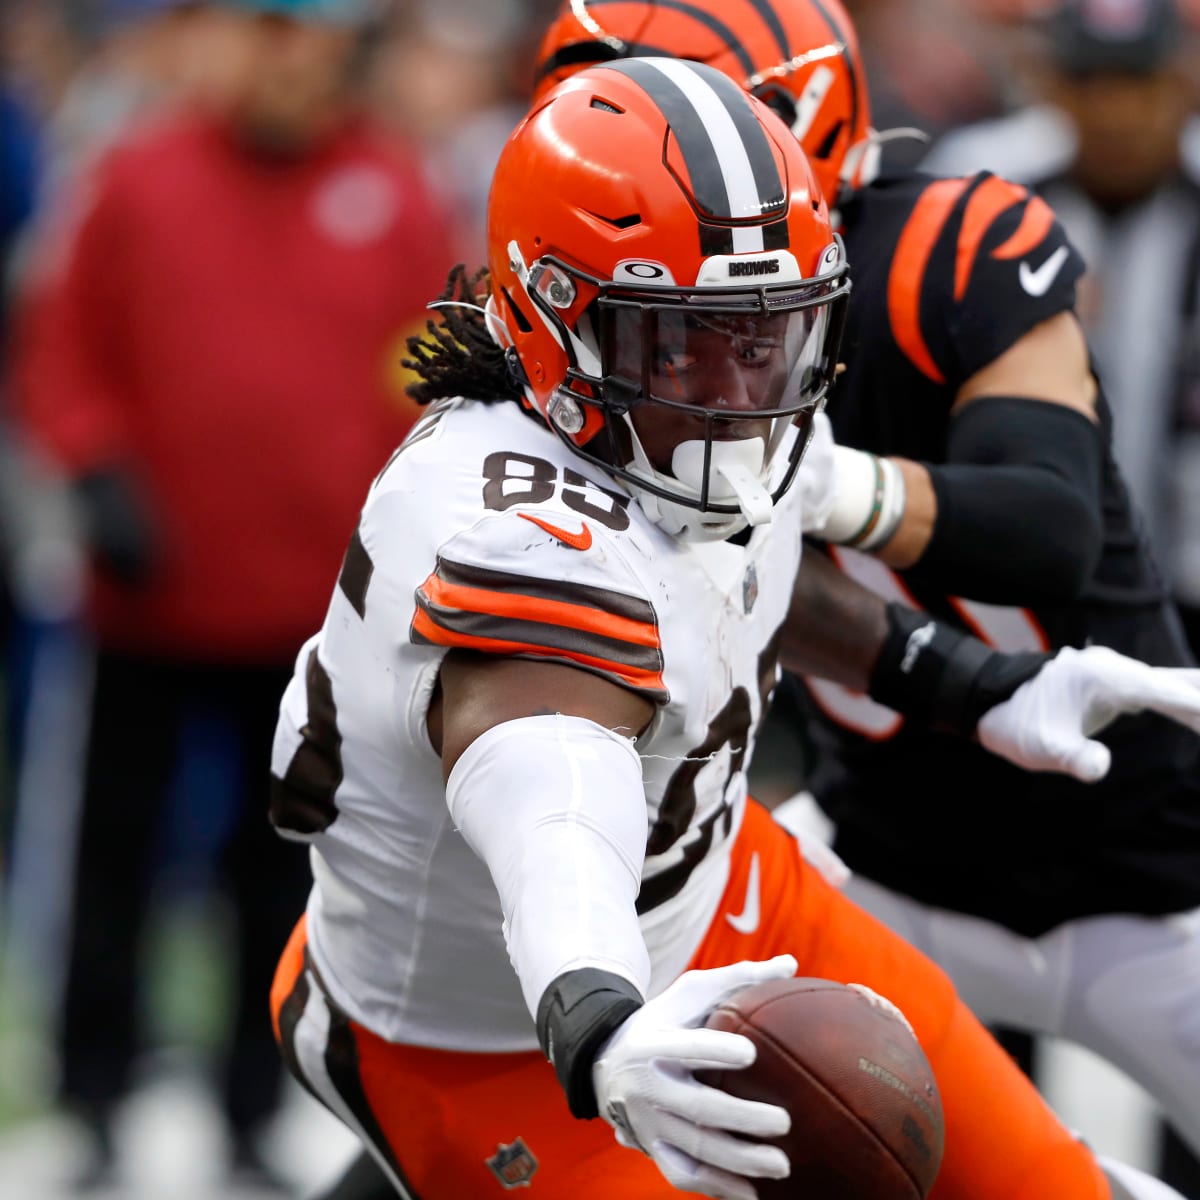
[{"x": 866, "y": 1115}]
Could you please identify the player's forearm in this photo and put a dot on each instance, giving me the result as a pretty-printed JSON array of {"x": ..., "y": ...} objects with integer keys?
[
  {"x": 930, "y": 672},
  {"x": 913, "y": 533},
  {"x": 835, "y": 627}
]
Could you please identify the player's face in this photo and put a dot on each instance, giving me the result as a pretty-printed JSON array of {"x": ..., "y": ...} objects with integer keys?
[
  {"x": 1129, "y": 128},
  {"x": 295, "y": 89},
  {"x": 709, "y": 375}
]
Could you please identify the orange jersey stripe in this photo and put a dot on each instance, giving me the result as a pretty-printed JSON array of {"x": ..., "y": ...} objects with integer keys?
[
  {"x": 1035, "y": 224},
  {"x": 546, "y": 612},
  {"x": 633, "y": 677},
  {"x": 987, "y": 202},
  {"x": 909, "y": 263}
]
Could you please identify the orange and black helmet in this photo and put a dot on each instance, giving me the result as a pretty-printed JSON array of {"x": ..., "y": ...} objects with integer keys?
[{"x": 665, "y": 275}]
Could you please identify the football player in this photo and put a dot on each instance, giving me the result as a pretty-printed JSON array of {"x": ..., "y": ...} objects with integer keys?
[
  {"x": 984, "y": 490},
  {"x": 518, "y": 745}
]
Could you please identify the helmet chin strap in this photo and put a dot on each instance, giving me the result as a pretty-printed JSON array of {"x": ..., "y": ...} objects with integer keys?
[
  {"x": 738, "y": 463},
  {"x": 735, "y": 476}
]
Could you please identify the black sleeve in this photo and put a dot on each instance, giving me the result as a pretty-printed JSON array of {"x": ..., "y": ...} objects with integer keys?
[{"x": 1019, "y": 504}]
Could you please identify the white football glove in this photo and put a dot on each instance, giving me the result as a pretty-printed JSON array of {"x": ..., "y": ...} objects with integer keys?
[
  {"x": 1047, "y": 723},
  {"x": 645, "y": 1089}
]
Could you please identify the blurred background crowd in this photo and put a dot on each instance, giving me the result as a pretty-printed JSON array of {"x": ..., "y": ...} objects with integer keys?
[{"x": 218, "y": 223}]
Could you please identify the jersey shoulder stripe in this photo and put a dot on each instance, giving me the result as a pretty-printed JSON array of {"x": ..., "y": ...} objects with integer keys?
[
  {"x": 1036, "y": 222},
  {"x": 606, "y": 632},
  {"x": 985, "y": 203},
  {"x": 909, "y": 265},
  {"x": 950, "y": 279}
]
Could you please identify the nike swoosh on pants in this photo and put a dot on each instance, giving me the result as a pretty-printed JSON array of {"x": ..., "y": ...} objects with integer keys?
[{"x": 747, "y": 920}]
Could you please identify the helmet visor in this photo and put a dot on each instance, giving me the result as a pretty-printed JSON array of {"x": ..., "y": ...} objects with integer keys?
[
  {"x": 707, "y": 393},
  {"x": 707, "y": 375}
]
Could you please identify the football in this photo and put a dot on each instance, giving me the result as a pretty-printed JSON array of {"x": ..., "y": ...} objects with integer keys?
[{"x": 866, "y": 1115}]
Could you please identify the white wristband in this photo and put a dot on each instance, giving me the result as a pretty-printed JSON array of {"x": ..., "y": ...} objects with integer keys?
[{"x": 870, "y": 500}]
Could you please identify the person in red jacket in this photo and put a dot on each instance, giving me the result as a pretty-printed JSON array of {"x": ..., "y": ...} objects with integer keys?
[{"x": 214, "y": 362}]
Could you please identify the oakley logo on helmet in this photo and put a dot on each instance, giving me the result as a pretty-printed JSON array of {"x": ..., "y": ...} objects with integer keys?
[
  {"x": 634, "y": 271},
  {"x": 759, "y": 266}
]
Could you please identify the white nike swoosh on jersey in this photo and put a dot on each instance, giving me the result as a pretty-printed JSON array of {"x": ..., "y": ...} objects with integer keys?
[
  {"x": 747, "y": 920},
  {"x": 1037, "y": 283}
]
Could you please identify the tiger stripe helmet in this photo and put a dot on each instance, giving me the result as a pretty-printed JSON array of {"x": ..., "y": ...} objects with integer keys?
[{"x": 800, "y": 56}]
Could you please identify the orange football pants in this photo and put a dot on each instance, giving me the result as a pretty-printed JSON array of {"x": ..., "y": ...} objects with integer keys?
[{"x": 451, "y": 1125}]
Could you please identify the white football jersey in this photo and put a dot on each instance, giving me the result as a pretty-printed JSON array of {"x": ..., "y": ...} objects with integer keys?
[{"x": 486, "y": 532}]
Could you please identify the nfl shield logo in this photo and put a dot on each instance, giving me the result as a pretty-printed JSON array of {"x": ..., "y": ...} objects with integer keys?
[
  {"x": 513, "y": 1165},
  {"x": 749, "y": 589}
]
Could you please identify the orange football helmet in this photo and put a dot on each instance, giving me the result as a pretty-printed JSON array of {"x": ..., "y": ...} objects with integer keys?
[
  {"x": 800, "y": 56},
  {"x": 668, "y": 287}
]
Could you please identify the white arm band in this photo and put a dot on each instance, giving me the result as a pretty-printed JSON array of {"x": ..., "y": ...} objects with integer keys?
[
  {"x": 869, "y": 500},
  {"x": 556, "y": 808}
]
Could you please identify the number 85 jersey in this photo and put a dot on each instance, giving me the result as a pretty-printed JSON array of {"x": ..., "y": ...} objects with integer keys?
[{"x": 486, "y": 533}]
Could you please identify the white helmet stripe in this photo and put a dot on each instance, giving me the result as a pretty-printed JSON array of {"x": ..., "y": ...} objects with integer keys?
[
  {"x": 741, "y": 184},
  {"x": 728, "y": 155}
]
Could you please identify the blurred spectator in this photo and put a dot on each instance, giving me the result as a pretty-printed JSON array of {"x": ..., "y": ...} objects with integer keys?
[
  {"x": 212, "y": 360},
  {"x": 137, "y": 56},
  {"x": 19, "y": 153},
  {"x": 454, "y": 74},
  {"x": 931, "y": 65},
  {"x": 1111, "y": 140}
]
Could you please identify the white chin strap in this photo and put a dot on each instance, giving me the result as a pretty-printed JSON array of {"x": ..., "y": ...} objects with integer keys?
[{"x": 736, "y": 476}]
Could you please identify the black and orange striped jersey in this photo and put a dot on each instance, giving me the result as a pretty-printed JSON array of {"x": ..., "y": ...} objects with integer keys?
[
  {"x": 948, "y": 274},
  {"x": 486, "y": 533}
]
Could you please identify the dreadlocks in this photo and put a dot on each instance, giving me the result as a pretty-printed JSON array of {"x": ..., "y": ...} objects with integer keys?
[{"x": 457, "y": 355}]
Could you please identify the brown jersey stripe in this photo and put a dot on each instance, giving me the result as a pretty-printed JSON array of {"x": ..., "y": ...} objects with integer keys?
[
  {"x": 992, "y": 197},
  {"x": 617, "y": 604},
  {"x": 658, "y": 889},
  {"x": 570, "y": 638},
  {"x": 355, "y": 577},
  {"x": 630, "y": 675},
  {"x": 1035, "y": 224},
  {"x": 435, "y": 593},
  {"x": 907, "y": 276},
  {"x": 303, "y": 801}
]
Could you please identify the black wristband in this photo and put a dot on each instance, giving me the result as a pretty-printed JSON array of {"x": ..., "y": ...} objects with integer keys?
[
  {"x": 940, "y": 677},
  {"x": 575, "y": 1016}
]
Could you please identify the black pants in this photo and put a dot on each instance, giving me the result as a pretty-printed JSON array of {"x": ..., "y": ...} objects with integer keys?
[{"x": 138, "y": 711}]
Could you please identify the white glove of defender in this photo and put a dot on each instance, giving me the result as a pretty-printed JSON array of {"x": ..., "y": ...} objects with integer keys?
[
  {"x": 646, "y": 1091},
  {"x": 1047, "y": 723}
]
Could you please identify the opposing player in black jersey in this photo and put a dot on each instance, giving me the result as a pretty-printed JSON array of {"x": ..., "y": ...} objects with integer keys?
[{"x": 984, "y": 489}]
